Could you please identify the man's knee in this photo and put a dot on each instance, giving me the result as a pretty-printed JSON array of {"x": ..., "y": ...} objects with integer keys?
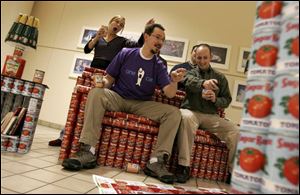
[
  {"x": 175, "y": 112},
  {"x": 96, "y": 92}
]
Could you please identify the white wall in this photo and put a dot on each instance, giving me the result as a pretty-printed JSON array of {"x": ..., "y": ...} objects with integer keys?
[
  {"x": 9, "y": 13},
  {"x": 229, "y": 23}
]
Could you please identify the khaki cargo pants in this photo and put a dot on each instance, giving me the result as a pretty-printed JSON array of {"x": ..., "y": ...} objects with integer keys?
[
  {"x": 99, "y": 100},
  {"x": 192, "y": 120}
]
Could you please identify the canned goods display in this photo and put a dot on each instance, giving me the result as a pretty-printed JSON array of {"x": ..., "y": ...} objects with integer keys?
[
  {"x": 7, "y": 84},
  {"x": 288, "y": 58},
  {"x": 250, "y": 158},
  {"x": 285, "y": 111},
  {"x": 18, "y": 86},
  {"x": 28, "y": 87},
  {"x": 282, "y": 170},
  {"x": 268, "y": 15},
  {"x": 38, "y": 91},
  {"x": 258, "y": 105},
  {"x": 263, "y": 55}
]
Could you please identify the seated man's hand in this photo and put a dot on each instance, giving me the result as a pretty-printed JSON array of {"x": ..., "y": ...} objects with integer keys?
[
  {"x": 211, "y": 84},
  {"x": 209, "y": 95},
  {"x": 178, "y": 74}
]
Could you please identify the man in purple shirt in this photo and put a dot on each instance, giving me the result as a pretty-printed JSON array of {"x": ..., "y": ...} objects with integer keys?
[{"x": 128, "y": 87}]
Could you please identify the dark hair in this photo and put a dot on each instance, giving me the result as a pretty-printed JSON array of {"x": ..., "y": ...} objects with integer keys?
[
  {"x": 150, "y": 28},
  {"x": 205, "y": 45},
  {"x": 195, "y": 47}
]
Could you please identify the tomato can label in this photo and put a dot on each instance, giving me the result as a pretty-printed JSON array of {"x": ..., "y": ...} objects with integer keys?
[
  {"x": 263, "y": 55},
  {"x": 282, "y": 169},
  {"x": 268, "y": 15},
  {"x": 18, "y": 86},
  {"x": 238, "y": 188},
  {"x": 250, "y": 159},
  {"x": 290, "y": 9},
  {"x": 34, "y": 106},
  {"x": 12, "y": 145},
  {"x": 258, "y": 105},
  {"x": 7, "y": 84},
  {"x": 285, "y": 111},
  {"x": 28, "y": 87},
  {"x": 288, "y": 58},
  {"x": 38, "y": 91}
]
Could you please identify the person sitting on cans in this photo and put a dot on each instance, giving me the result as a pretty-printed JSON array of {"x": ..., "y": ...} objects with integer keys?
[
  {"x": 129, "y": 85},
  {"x": 189, "y": 65},
  {"x": 106, "y": 44},
  {"x": 206, "y": 91}
]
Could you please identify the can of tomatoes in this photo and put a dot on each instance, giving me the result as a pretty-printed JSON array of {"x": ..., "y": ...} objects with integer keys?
[
  {"x": 258, "y": 105},
  {"x": 288, "y": 58},
  {"x": 282, "y": 170},
  {"x": 263, "y": 55},
  {"x": 285, "y": 111},
  {"x": 18, "y": 86},
  {"x": 268, "y": 15},
  {"x": 250, "y": 158}
]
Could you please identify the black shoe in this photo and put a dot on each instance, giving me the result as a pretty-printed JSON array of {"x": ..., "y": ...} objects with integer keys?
[
  {"x": 158, "y": 170},
  {"x": 82, "y": 159},
  {"x": 56, "y": 142},
  {"x": 182, "y": 173},
  {"x": 228, "y": 179}
]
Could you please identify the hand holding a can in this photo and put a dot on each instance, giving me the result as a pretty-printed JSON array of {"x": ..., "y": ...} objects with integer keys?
[
  {"x": 211, "y": 84},
  {"x": 208, "y": 94},
  {"x": 102, "y": 32},
  {"x": 178, "y": 74},
  {"x": 98, "y": 80}
]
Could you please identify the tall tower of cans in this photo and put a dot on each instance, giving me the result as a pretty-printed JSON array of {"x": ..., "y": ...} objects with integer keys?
[{"x": 267, "y": 157}]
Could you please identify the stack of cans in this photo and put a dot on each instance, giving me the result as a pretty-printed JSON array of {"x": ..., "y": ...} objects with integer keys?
[
  {"x": 21, "y": 93},
  {"x": 267, "y": 158},
  {"x": 128, "y": 138}
]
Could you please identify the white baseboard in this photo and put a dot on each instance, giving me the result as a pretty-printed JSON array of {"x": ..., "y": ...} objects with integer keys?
[{"x": 50, "y": 124}]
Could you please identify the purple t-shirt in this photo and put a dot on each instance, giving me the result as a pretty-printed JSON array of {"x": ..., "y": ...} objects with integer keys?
[{"x": 136, "y": 77}]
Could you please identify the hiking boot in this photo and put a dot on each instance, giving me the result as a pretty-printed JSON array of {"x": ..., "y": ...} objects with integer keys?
[
  {"x": 158, "y": 170},
  {"x": 182, "y": 173},
  {"x": 56, "y": 142},
  {"x": 82, "y": 159}
]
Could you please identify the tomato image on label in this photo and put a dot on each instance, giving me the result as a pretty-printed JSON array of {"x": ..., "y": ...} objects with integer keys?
[
  {"x": 266, "y": 55},
  {"x": 25, "y": 132},
  {"x": 28, "y": 119},
  {"x": 292, "y": 45},
  {"x": 269, "y": 9},
  {"x": 251, "y": 160},
  {"x": 20, "y": 87},
  {"x": 35, "y": 90},
  {"x": 289, "y": 169},
  {"x": 259, "y": 106},
  {"x": 22, "y": 146},
  {"x": 291, "y": 105}
]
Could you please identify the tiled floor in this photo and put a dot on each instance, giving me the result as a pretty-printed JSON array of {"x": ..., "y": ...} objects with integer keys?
[{"x": 38, "y": 172}]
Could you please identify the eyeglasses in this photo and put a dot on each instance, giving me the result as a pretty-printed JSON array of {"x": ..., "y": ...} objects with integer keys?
[{"x": 158, "y": 38}]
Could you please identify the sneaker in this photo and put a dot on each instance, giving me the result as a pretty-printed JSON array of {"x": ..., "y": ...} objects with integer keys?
[
  {"x": 56, "y": 142},
  {"x": 228, "y": 179},
  {"x": 82, "y": 159},
  {"x": 182, "y": 173},
  {"x": 158, "y": 170}
]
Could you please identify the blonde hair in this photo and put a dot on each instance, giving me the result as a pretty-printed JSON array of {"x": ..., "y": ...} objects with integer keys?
[{"x": 118, "y": 17}]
